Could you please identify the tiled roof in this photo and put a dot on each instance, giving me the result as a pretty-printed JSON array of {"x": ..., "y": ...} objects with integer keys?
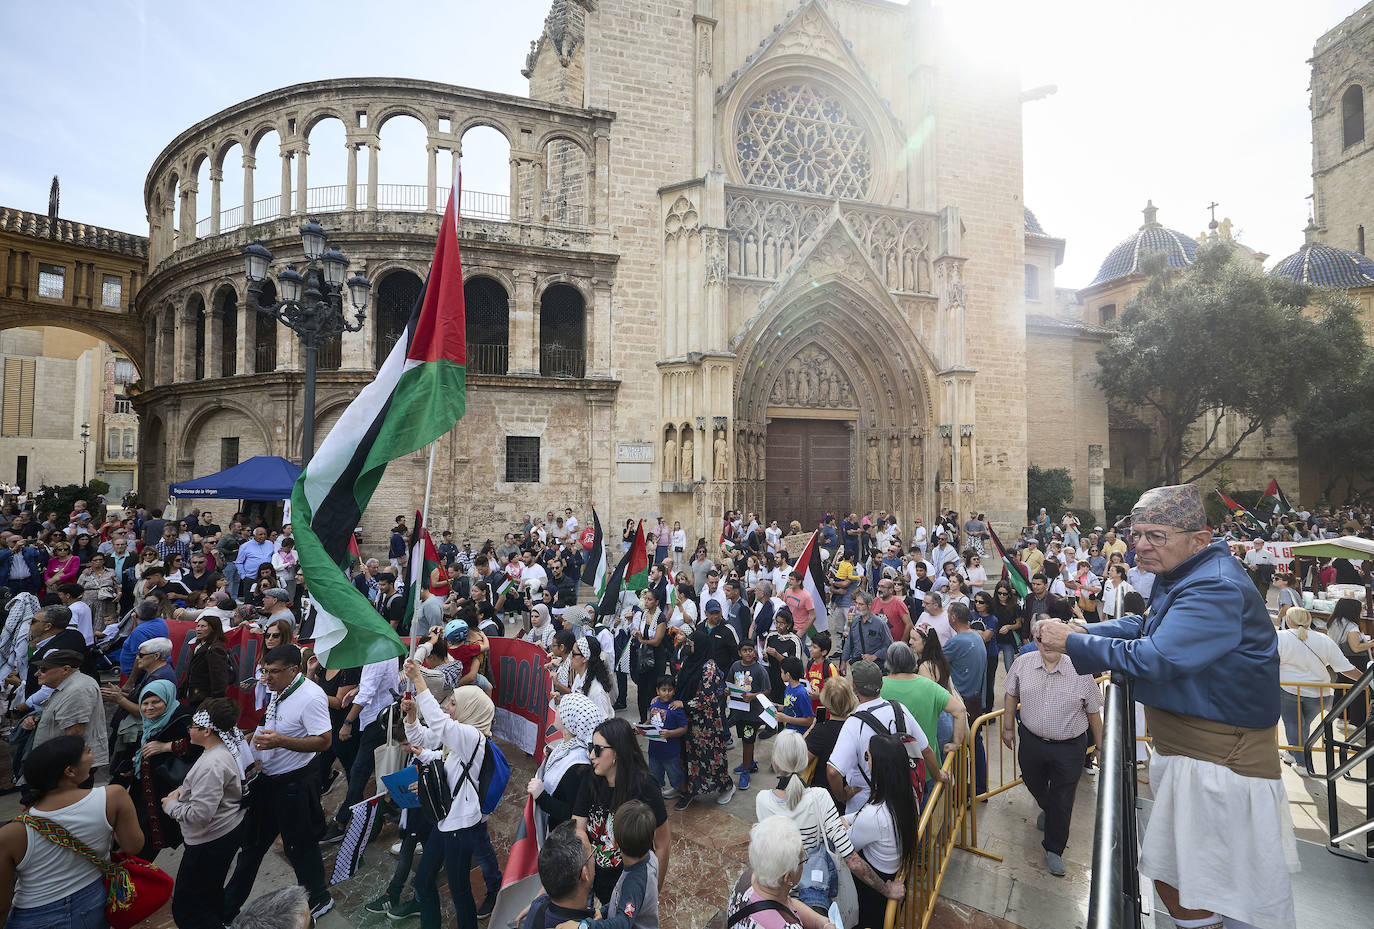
[
  {"x": 1033, "y": 226},
  {"x": 1045, "y": 321},
  {"x": 1326, "y": 266},
  {"x": 39, "y": 226},
  {"x": 1151, "y": 237}
]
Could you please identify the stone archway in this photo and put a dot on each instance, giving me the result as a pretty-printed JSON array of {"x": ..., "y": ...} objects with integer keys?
[{"x": 835, "y": 379}]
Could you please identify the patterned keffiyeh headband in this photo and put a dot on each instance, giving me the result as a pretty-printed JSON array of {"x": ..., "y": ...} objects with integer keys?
[
  {"x": 232, "y": 739},
  {"x": 584, "y": 647}
]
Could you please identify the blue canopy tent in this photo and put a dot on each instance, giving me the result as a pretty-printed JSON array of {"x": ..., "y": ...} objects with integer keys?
[{"x": 262, "y": 477}]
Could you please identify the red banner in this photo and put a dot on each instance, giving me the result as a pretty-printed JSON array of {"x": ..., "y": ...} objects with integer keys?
[
  {"x": 520, "y": 689},
  {"x": 245, "y": 648}
]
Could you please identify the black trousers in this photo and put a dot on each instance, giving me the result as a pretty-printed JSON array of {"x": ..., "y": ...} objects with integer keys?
[
  {"x": 1051, "y": 771},
  {"x": 198, "y": 898},
  {"x": 289, "y": 805}
]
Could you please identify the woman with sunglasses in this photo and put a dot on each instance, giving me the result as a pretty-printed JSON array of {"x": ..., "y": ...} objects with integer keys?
[
  {"x": 984, "y": 616},
  {"x": 63, "y": 568},
  {"x": 974, "y": 572},
  {"x": 619, "y": 773},
  {"x": 1006, "y": 606}
]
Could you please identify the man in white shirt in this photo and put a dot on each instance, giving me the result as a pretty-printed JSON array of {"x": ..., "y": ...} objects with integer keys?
[
  {"x": 847, "y": 768},
  {"x": 533, "y": 573},
  {"x": 1259, "y": 561},
  {"x": 943, "y": 552},
  {"x": 295, "y": 728},
  {"x": 714, "y": 590},
  {"x": 919, "y": 536},
  {"x": 773, "y": 536},
  {"x": 367, "y": 720},
  {"x": 70, "y": 595},
  {"x": 934, "y": 616},
  {"x": 570, "y": 521}
]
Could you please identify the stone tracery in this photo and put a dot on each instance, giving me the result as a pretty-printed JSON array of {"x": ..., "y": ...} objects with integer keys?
[{"x": 801, "y": 137}]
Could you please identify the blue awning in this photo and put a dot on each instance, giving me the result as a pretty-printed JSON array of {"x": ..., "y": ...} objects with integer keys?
[{"x": 263, "y": 477}]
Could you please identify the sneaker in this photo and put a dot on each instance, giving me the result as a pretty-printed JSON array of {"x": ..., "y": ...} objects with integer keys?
[
  {"x": 1090, "y": 770},
  {"x": 730, "y": 744},
  {"x": 396, "y": 849},
  {"x": 334, "y": 833},
  {"x": 738, "y": 769},
  {"x": 683, "y": 802},
  {"x": 727, "y": 795},
  {"x": 744, "y": 781},
  {"x": 1286, "y": 759},
  {"x": 670, "y": 792},
  {"x": 404, "y": 910},
  {"x": 381, "y": 905},
  {"x": 1040, "y": 822},
  {"x": 1055, "y": 863},
  {"x": 321, "y": 905},
  {"x": 488, "y": 904}
]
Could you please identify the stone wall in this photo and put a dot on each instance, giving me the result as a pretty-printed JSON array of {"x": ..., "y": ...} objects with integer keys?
[{"x": 1342, "y": 174}]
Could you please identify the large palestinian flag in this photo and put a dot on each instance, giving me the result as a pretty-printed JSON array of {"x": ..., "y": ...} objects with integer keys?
[
  {"x": 631, "y": 572},
  {"x": 1275, "y": 493},
  {"x": 419, "y": 394},
  {"x": 1012, "y": 574},
  {"x": 813, "y": 581}
]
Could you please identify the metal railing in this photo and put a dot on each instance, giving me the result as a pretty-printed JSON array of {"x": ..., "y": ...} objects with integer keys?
[
  {"x": 264, "y": 359},
  {"x": 405, "y": 198},
  {"x": 1114, "y": 899},
  {"x": 942, "y": 827},
  {"x": 555, "y": 361},
  {"x": 1359, "y": 689},
  {"x": 488, "y": 358},
  {"x": 1327, "y": 695}
]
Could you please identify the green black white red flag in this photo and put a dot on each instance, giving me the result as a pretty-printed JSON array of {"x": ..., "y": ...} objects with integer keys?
[
  {"x": 1240, "y": 513},
  {"x": 813, "y": 580},
  {"x": 631, "y": 573},
  {"x": 1009, "y": 571},
  {"x": 594, "y": 571},
  {"x": 1274, "y": 493},
  {"x": 418, "y": 395}
]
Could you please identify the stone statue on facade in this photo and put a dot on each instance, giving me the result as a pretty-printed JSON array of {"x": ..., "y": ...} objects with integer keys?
[
  {"x": 688, "y": 465},
  {"x": 721, "y": 469},
  {"x": 670, "y": 458},
  {"x": 757, "y": 470},
  {"x": 946, "y": 458},
  {"x": 871, "y": 459},
  {"x": 894, "y": 463},
  {"x": 966, "y": 457}
]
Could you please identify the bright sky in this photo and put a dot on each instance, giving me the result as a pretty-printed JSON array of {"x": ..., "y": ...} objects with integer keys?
[{"x": 1180, "y": 102}]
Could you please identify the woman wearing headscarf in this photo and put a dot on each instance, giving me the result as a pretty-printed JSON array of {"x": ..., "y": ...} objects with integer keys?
[
  {"x": 588, "y": 674},
  {"x": 164, "y": 756},
  {"x": 559, "y": 777},
  {"x": 701, "y": 688}
]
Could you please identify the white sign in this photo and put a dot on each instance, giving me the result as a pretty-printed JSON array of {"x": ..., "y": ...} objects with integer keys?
[
  {"x": 1282, "y": 552},
  {"x": 634, "y": 452}
]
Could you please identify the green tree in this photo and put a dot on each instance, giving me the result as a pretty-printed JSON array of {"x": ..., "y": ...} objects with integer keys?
[
  {"x": 1118, "y": 500},
  {"x": 1336, "y": 427},
  {"x": 59, "y": 499},
  {"x": 1221, "y": 336},
  {"x": 1051, "y": 488}
]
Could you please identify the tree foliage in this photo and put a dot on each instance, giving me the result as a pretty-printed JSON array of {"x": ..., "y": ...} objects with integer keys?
[
  {"x": 1223, "y": 336},
  {"x": 1336, "y": 427},
  {"x": 1117, "y": 500},
  {"x": 60, "y": 499},
  {"x": 1051, "y": 488}
]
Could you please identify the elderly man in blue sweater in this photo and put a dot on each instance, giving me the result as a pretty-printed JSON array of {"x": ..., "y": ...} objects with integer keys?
[{"x": 1219, "y": 845}]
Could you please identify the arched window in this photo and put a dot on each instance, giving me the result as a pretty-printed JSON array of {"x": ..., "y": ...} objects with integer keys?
[
  {"x": 265, "y": 334},
  {"x": 487, "y": 309},
  {"x": 198, "y": 337},
  {"x": 1032, "y": 282},
  {"x": 1352, "y": 115},
  {"x": 228, "y": 308},
  {"x": 396, "y": 296},
  {"x": 562, "y": 333}
]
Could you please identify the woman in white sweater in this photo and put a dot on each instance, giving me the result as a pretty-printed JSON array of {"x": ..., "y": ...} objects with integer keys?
[{"x": 208, "y": 807}]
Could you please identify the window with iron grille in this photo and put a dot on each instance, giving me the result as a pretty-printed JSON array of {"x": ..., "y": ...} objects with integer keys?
[
  {"x": 111, "y": 290},
  {"x": 486, "y": 307},
  {"x": 123, "y": 405},
  {"x": 124, "y": 372},
  {"x": 228, "y": 452},
  {"x": 52, "y": 281},
  {"x": 522, "y": 459},
  {"x": 562, "y": 332},
  {"x": 396, "y": 296},
  {"x": 130, "y": 439}
]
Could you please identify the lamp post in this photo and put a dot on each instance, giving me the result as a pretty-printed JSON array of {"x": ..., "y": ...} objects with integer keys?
[
  {"x": 311, "y": 305},
  {"x": 85, "y": 440}
]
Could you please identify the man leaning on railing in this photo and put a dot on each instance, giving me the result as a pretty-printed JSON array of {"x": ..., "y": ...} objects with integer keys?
[{"x": 1219, "y": 844}]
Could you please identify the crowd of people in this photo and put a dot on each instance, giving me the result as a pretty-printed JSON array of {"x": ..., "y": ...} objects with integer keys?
[{"x": 864, "y": 688}]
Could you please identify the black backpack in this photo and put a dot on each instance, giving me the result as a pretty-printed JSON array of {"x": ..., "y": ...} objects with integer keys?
[{"x": 916, "y": 762}]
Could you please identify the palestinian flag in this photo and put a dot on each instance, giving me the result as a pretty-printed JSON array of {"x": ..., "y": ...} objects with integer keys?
[
  {"x": 813, "y": 580},
  {"x": 1281, "y": 504},
  {"x": 594, "y": 571},
  {"x": 1010, "y": 574},
  {"x": 520, "y": 879},
  {"x": 424, "y": 558},
  {"x": 633, "y": 565},
  {"x": 1238, "y": 512},
  {"x": 418, "y": 395}
]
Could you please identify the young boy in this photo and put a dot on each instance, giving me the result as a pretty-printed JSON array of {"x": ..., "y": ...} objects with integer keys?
[
  {"x": 818, "y": 671},
  {"x": 795, "y": 712},
  {"x": 753, "y": 677},
  {"x": 665, "y": 758},
  {"x": 634, "y": 901}
]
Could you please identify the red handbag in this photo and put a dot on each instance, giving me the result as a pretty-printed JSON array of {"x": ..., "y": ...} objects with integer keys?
[{"x": 135, "y": 889}]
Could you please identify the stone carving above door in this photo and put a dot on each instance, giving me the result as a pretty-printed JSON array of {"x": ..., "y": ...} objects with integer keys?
[{"x": 813, "y": 379}]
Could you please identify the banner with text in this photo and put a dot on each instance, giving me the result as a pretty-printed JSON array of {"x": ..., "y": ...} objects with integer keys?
[
  {"x": 1282, "y": 552},
  {"x": 520, "y": 689}
]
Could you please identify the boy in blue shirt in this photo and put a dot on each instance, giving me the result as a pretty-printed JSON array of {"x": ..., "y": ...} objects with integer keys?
[
  {"x": 796, "y": 711},
  {"x": 665, "y": 758},
  {"x": 634, "y": 901}
]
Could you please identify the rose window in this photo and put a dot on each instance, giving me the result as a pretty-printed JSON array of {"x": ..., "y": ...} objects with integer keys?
[{"x": 802, "y": 138}]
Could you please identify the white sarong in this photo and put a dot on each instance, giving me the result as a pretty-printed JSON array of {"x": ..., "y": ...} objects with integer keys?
[{"x": 1225, "y": 841}]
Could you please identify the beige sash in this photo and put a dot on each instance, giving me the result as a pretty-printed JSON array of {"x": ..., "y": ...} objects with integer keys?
[{"x": 1248, "y": 752}]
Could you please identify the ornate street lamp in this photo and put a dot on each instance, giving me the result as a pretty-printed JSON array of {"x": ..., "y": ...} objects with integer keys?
[
  {"x": 311, "y": 305},
  {"x": 85, "y": 440}
]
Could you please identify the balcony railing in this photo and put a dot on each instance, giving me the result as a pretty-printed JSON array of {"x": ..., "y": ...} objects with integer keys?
[
  {"x": 264, "y": 358},
  {"x": 556, "y": 361},
  {"x": 488, "y": 359},
  {"x": 406, "y": 198},
  {"x": 329, "y": 356}
]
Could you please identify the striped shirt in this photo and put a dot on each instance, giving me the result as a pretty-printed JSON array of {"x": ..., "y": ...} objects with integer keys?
[
  {"x": 815, "y": 807},
  {"x": 1054, "y": 704}
]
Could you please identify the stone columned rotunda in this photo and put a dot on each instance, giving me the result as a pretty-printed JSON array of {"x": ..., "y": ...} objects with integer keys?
[{"x": 757, "y": 254}]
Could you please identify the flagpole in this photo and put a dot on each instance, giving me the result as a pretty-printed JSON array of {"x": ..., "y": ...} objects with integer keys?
[{"x": 424, "y": 521}]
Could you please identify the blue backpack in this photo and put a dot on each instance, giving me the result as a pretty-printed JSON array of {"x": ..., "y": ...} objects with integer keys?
[{"x": 492, "y": 778}]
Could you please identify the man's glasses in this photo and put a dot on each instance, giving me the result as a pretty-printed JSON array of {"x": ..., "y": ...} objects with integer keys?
[{"x": 1156, "y": 537}]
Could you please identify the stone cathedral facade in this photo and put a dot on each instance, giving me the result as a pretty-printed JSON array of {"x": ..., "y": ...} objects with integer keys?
[{"x": 763, "y": 254}]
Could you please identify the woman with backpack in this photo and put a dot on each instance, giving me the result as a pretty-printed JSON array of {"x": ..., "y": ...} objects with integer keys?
[
  {"x": 457, "y": 837},
  {"x": 883, "y": 830}
]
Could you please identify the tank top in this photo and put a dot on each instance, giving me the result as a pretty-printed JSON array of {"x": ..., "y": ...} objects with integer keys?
[{"x": 49, "y": 872}]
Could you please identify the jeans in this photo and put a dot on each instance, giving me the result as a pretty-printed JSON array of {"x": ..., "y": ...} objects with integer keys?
[
  {"x": 1288, "y": 712},
  {"x": 669, "y": 768},
  {"x": 361, "y": 767},
  {"x": 452, "y": 851},
  {"x": 1008, "y": 655},
  {"x": 198, "y": 896},
  {"x": 81, "y": 909},
  {"x": 485, "y": 853}
]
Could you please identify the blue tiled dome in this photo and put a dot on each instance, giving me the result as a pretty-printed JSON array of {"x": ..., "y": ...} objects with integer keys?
[
  {"x": 1179, "y": 249},
  {"x": 1033, "y": 226},
  {"x": 1326, "y": 266}
]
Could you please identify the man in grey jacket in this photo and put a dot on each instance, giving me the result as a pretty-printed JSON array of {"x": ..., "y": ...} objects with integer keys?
[{"x": 868, "y": 636}]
